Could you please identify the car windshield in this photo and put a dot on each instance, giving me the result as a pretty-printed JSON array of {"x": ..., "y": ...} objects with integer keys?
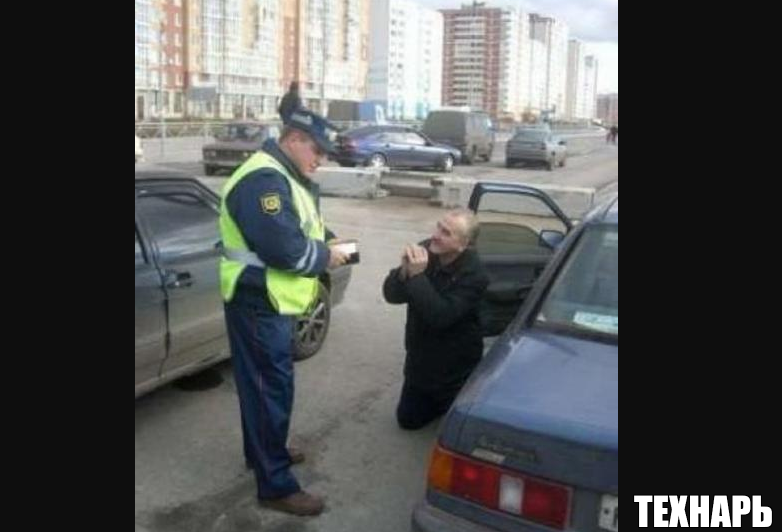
[
  {"x": 246, "y": 132},
  {"x": 585, "y": 295},
  {"x": 531, "y": 135}
]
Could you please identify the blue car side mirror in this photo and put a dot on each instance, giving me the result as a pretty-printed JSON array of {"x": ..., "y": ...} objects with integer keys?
[{"x": 551, "y": 239}]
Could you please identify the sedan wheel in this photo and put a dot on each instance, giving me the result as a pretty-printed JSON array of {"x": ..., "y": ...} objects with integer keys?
[
  {"x": 447, "y": 164},
  {"x": 377, "y": 160},
  {"x": 312, "y": 328}
]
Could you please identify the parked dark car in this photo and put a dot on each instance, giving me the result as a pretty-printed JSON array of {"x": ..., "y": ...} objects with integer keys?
[
  {"x": 394, "y": 147},
  {"x": 236, "y": 144},
  {"x": 471, "y": 132},
  {"x": 180, "y": 327},
  {"x": 531, "y": 442}
]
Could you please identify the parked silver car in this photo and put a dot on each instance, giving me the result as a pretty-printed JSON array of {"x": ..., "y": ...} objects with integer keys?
[
  {"x": 236, "y": 144},
  {"x": 535, "y": 145},
  {"x": 180, "y": 327}
]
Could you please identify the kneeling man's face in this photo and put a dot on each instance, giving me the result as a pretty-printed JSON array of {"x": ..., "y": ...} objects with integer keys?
[{"x": 449, "y": 238}]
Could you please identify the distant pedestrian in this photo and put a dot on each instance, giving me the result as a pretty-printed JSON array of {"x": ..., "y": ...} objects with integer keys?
[{"x": 613, "y": 134}]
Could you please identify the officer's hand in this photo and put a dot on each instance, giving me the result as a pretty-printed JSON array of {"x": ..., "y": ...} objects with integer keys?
[
  {"x": 417, "y": 258},
  {"x": 337, "y": 257}
]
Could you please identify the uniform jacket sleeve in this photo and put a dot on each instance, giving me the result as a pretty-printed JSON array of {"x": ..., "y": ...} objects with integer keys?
[{"x": 274, "y": 234}]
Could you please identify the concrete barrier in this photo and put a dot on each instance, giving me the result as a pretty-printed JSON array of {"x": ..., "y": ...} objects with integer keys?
[
  {"x": 409, "y": 184},
  {"x": 174, "y": 150},
  {"x": 333, "y": 181},
  {"x": 356, "y": 182},
  {"x": 575, "y": 202}
]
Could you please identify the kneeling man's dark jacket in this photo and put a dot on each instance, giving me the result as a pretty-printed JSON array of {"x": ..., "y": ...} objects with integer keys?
[{"x": 442, "y": 335}]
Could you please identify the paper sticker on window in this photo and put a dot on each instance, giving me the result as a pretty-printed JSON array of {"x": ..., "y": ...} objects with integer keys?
[{"x": 598, "y": 322}]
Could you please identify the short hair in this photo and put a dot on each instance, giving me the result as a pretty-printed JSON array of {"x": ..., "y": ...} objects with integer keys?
[{"x": 471, "y": 224}]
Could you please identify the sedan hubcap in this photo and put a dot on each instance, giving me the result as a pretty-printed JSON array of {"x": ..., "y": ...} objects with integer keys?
[{"x": 311, "y": 327}]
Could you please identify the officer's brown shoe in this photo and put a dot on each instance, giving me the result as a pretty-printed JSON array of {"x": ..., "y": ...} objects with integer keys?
[
  {"x": 299, "y": 503},
  {"x": 297, "y": 455}
]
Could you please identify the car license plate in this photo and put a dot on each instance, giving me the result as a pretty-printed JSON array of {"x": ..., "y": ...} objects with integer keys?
[{"x": 609, "y": 513}]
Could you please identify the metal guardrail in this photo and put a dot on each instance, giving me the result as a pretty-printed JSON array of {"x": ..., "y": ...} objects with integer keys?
[
  {"x": 152, "y": 130},
  {"x": 155, "y": 130}
]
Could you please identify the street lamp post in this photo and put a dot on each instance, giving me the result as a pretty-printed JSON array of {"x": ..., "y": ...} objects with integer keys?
[
  {"x": 323, "y": 66},
  {"x": 161, "y": 71}
]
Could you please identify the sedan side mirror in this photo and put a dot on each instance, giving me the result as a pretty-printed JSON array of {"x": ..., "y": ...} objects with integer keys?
[{"x": 551, "y": 239}]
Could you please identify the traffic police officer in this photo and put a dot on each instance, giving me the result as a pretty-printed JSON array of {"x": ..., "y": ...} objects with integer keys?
[{"x": 274, "y": 249}]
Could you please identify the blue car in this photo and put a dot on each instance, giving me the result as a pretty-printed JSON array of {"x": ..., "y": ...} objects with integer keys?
[
  {"x": 531, "y": 442},
  {"x": 393, "y": 147}
]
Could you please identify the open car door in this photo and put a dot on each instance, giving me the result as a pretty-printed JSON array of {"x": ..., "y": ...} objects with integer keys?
[{"x": 519, "y": 229}]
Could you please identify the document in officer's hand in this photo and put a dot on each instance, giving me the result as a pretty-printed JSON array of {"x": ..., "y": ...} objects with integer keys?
[{"x": 350, "y": 248}]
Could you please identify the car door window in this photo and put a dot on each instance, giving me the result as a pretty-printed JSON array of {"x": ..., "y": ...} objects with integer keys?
[
  {"x": 395, "y": 138},
  {"x": 585, "y": 294},
  {"x": 511, "y": 224},
  {"x": 182, "y": 223},
  {"x": 414, "y": 139}
]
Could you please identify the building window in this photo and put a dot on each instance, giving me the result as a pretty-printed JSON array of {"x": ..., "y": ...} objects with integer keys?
[{"x": 178, "y": 20}]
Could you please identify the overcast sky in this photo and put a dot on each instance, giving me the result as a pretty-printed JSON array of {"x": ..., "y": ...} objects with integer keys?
[{"x": 595, "y": 22}]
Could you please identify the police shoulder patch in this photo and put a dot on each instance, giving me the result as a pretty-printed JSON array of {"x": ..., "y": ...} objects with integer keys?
[{"x": 270, "y": 203}]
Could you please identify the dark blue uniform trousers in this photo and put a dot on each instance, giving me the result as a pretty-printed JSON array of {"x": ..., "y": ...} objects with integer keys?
[{"x": 261, "y": 350}]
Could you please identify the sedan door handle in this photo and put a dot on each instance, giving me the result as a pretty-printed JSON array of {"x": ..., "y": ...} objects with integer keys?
[{"x": 175, "y": 279}]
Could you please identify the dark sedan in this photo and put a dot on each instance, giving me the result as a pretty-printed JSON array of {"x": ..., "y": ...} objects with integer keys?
[
  {"x": 393, "y": 147},
  {"x": 532, "y": 442},
  {"x": 236, "y": 144},
  {"x": 180, "y": 327}
]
